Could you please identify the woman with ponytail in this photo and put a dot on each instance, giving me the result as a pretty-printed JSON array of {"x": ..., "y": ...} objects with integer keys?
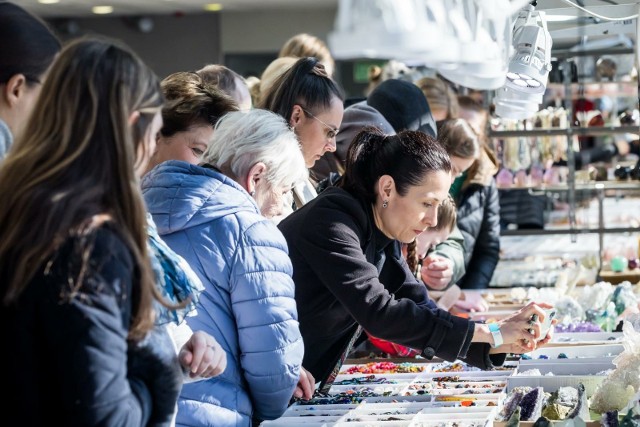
[
  {"x": 350, "y": 274},
  {"x": 311, "y": 103}
]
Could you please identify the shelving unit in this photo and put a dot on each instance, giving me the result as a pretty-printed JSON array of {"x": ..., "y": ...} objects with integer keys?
[{"x": 598, "y": 189}]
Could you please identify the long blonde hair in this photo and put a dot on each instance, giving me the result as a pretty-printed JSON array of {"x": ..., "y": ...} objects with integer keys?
[{"x": 77, "y": 163}]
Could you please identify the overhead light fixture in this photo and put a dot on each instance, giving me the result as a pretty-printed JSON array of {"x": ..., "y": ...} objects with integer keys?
[
  {"x": 102, "y": 10},
  {"x": 484, "y": 30},
  {"x": 529, "y": 67},
  {"x": 48, "y": 1},
  {"x": 213, "y": 7},
  {"x": 405, "y": 30}
]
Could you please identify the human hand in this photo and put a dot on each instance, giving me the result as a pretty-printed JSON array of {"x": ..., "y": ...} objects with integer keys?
[
  {"x": 306, "y": 385},
  {"x": 524, "y": 326},
  {"x": 436, "y": 271},
  {"x": 202, "y": 356},
  {"x": 472, "y": 301}
]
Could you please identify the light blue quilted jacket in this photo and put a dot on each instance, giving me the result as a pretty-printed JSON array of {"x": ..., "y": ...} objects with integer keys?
[{"x": 248, "y": 302}]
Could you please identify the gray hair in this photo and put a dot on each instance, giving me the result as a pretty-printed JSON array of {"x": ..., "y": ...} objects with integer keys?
[{"x": 243, "y": 138}]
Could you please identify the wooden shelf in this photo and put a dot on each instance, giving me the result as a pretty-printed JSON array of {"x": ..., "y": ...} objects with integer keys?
[{"x": 632, "y": 276}]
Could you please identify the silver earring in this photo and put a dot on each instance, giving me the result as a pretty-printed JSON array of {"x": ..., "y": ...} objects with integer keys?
[
  {"x": 252, "y": 193},
  {"x": 385, "y": 203}
]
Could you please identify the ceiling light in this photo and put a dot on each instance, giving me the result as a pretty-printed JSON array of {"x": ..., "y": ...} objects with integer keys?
[
  {"x": 213, "y": 7},
  {"x": 405, "y": 30},
  {"x": 483, "y": 28},
  {"x": 528, "y": 67},
  {"x": 48, "y": 1},
  {"x": 102, "y": 10}
]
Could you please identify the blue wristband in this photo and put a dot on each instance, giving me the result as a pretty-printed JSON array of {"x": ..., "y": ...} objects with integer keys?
[{"x": 494, "y": 328}]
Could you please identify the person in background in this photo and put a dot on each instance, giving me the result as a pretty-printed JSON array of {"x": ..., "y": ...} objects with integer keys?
[
  {"x": 311, "y": 103},
  {"x": 404, "y": 106},
  {"x": 476, "y": 195},
  {"x": 229, "y": 82},
  {"x": 356, "y": 117},
  {"x": 305, "y": 45},
  {"x": 442, "y": 99},
  {"x": 349, "y": 272},
  {"x": 216, "y": 216},
  {"x": 192, "y": 109},
  {"x": 74, "y": 270},
  {"x": 27, "y": 50}
]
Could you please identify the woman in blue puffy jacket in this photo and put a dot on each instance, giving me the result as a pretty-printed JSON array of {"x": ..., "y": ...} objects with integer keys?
[{"x": 216, "y": 217}]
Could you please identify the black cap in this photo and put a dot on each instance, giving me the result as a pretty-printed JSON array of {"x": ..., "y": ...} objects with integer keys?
[{"x": 404, "y": 106}]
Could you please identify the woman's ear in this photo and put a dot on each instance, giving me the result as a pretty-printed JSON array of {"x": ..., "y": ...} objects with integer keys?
[
  {"x": 14, "y": 89},
  {"x": 386, "y": 185},
  {"x": 296, "y": 116},
  {"x": 255, "y": 174}
]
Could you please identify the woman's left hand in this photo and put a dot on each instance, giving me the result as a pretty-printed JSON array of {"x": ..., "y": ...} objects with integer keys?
[{"x": 472, "y": 301}]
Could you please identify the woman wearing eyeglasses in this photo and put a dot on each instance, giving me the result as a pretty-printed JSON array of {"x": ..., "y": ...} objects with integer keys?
[
  {"x": 311, "y": 102},
  {"x": 23, "y": 65}
]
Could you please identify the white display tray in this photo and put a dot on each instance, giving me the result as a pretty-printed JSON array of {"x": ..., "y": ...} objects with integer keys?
[
  {"x": 582, "y": 338},
  {"x": 575, "y": 354},
  {"x": 564, "y": 375}
]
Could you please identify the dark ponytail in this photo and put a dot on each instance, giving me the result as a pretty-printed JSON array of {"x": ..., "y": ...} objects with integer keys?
[
  {"x": 27, "y": 45},
  {"x": 407, "y": 157},
  {"x": 306, "y": 84}
]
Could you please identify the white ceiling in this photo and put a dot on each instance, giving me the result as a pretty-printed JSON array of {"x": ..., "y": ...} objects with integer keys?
[
  {"x": 573, "y": 31},
  {"x": 70, "y": 8},
  {"x": 76, "y": 8}
]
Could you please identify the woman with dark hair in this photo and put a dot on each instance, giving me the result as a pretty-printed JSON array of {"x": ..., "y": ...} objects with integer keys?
[
  {"x": 311, "y": 103},
  {"x": 26, "y": 52},
  {"x": 349, "y": 272},
  {"x": 75, "y": 278}
]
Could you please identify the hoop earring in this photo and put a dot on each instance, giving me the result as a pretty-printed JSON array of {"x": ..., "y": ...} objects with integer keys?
[{"x": 385, "y": 203}]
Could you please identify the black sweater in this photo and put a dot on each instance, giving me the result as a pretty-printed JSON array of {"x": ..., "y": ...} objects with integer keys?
[
  {"x": 69, "y": 362},
  {"x": 332, "y": 244}
]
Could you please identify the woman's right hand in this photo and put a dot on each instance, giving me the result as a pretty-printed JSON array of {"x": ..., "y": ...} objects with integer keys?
[
  {"x": 524, "y": 326},
  {"x": 306, "y": 385}
]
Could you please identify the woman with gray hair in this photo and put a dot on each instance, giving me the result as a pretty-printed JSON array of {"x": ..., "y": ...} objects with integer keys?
[{"x": 215, "y": 216}]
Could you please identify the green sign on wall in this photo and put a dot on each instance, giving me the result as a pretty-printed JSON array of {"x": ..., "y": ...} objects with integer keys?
[{"x": 361, "y": 70}]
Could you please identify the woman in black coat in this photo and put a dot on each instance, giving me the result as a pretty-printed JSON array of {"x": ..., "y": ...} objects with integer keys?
[{"x": 349, "y": 271}]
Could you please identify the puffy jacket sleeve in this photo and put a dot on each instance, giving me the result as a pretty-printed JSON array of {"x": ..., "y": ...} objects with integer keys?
[
  {"x": 486, "y": 250},
  {"x": 331, "y": 245},
  {"x": 90, "y": 330},
  {"x": 263, "y": 304},
  {"x": 453, "y": 249}
]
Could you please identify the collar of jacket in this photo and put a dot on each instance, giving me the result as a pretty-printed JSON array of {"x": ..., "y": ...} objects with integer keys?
[{"x": 483, "y": 170}]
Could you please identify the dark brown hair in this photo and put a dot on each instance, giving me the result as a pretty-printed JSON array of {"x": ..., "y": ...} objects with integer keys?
[
  {"x": 28, "y": 47},
  {"x": 306, "y": 84},
  {"x": 407, "y": 157},
  {"x": 190, "y": 101}
]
